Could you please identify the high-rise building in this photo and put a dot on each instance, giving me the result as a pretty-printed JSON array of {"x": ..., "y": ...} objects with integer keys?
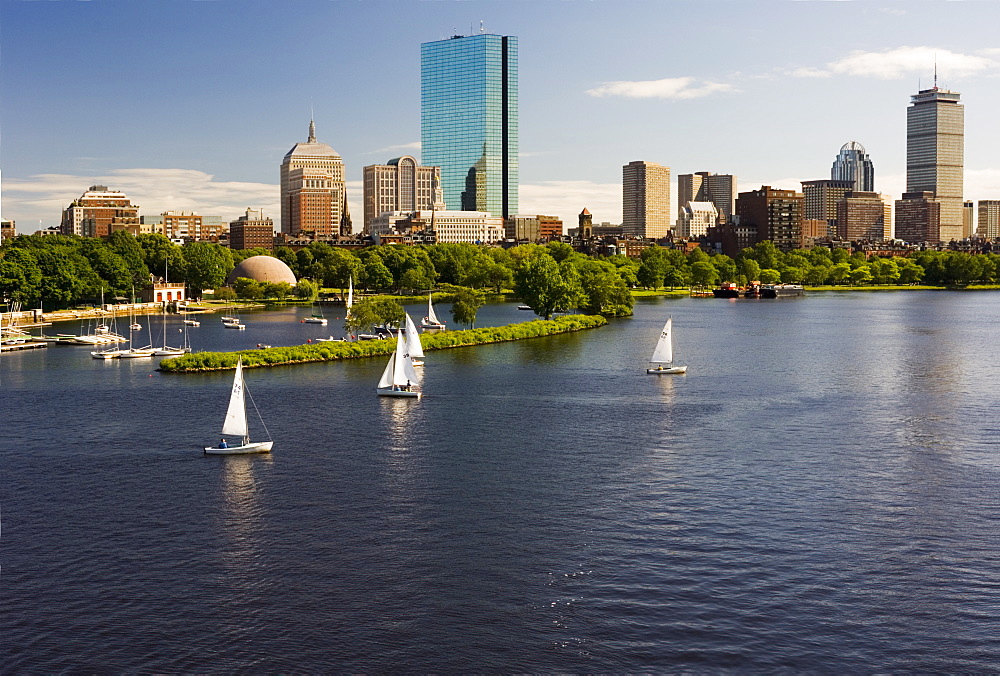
[
  {"x": 821, "y": 197},
  {"x": 854, "y": 165},
  {"x": 252, "y": 231},
  {"x": 695, "y": 218},
  {"x": 918, "y": 218},
  {"x": 468, "y": 120},
  {"x": 935, "y": 146},
  {"x": 704, "y": 186},
  {"x": 401, "y": 185},
  {"x": 774, "y": 215},
  {"x": 968, "y": 219},
  {"x": 989, "y": 219},
  {"x": 863, "y": 216},
  {"x": 99, "y": 212},
  {"x": 646, "y": 200},
  {"x": 313, "y": 194}
]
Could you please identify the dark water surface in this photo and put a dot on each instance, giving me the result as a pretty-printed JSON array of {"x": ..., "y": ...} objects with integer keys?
[{"x": 818, "y": 493}]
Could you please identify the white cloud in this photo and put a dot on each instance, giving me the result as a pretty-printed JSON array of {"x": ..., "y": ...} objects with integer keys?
[
  {"x": 678, "y": 88},
  {"x": 414, "y": 147},
  {"x": 43, "y": 197},
  {"x": 567, "y": 199},
  {"x": 906, "y": 61}
]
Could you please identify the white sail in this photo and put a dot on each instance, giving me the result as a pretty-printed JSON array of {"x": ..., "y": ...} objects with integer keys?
[
  {"x": 350, "y": 292},
  {"x": 431, "y": 317},
  {"x": 386, "y": 379},
  {"x": 401, "y": 358},
  {"x": 664, "y": 352},
  {"x": 236, "y": 416},
  {"x": 413, "y": 345}
]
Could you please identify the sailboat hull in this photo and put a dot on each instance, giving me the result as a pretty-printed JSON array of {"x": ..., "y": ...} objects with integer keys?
[
  {"x": 255, "y": 447},
  {"x": 314, "y": 320},
  {"x": 389, "y": 392},
  {"x": 670, "y": 370}
]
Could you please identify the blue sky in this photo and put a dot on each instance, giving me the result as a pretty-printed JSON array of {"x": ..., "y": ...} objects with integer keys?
[{"x": 188, "y": 104}]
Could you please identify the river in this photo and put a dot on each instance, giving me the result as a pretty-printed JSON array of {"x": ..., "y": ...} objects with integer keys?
[{"x": 818, "y": 493}]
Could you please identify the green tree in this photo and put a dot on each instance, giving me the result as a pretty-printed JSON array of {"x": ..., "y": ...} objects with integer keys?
[
  {"x": 703, "y": 273},
  {"x": 466, "y": 304},
  {"x": 374, "y": 274},
  {"x": 20, "y": 276},
  {"x": 725, "y": 267},
  {"x": 560, "y": 251},
  {"x": 769, "y": 276},
  {"x": 224, "y": 293},
  {"x": 207, "y": 265},
  {"x": 415, "y": 279},
  {"x": 539, "y": 282},
  {"x": 306, "y": 289},
  {"x": 606, "y": 292},
  {"x": 862, "y": 274},
  {"x": 248, "y": 288},
  {"x": 372, "y": 312},
  {"x": 750, "y": 269},
  {"x": 125, "y": 245},
  {"x": 840, "y": 271},
  {"x": 279, "y": 290}
]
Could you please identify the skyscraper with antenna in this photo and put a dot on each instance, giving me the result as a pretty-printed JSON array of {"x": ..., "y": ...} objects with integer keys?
[{"x": 935, "y": 153}]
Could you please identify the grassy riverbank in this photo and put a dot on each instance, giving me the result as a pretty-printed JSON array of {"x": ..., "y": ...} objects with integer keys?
[{"x": 319, "y": 352}]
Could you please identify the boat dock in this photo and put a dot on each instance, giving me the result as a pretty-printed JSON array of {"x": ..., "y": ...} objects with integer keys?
[{"x": 22, "y": 346}]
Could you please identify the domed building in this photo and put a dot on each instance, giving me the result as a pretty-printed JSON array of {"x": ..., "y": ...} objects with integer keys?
[
  {"x": 313, "y": 192},
  {"x": 262, "y": 269}
]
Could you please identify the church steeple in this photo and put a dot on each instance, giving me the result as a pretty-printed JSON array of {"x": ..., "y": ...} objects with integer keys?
[{"x": 312, "y": 132}]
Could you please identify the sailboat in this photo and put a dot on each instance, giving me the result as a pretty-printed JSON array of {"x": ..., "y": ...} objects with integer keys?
[
  {"x": 664, "y": 353},
  {"x": 165, "y": 350},
  {"x": 431, "y": 321},
  {"x": 317, "y": 315},
  {"x": 236, "y": 422},
  {"x": 136, "y": 352},
  {"x": 413, "y": 345},
  {"x": 399, "y": 378}
]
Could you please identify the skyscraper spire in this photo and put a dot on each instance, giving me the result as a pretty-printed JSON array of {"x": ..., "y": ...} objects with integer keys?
[{"x": 312, "y": 132}]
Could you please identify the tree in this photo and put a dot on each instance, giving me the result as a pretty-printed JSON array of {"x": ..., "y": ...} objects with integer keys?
[
  {"x": 207, "y": 265},
  {"x": 224, "y": 293},
  {"x": 466, "y": 304},
  {"x": 860, "y": 275},
  {"x": 540, "y": 284},
  {"x": 279, "y": 290},
  {"x": 20, "y": 276},
  {"x": 307, "y": 289},
  {"x": 605, "y": 290},
  {"x": 749, "y": 268},
  {"x": 726, "y": 267},
  {"x": 769, "y": 276},
  {"x": 840, "y": 271},
  {"x": 703, "y": 273},
  {"x": 415, "y": 279},
  {"x": 374, "y": 274},
  {"x": 560, "y": 251},
  {"x": 126, "y": 246},
  {"x": 909, "y": 272},
  {"x": 248, "y": 288},
  {"x": 372, "y": 312}
]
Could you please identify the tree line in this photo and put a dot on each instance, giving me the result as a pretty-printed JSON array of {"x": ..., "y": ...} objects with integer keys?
[{"x": 61, "y": 271}]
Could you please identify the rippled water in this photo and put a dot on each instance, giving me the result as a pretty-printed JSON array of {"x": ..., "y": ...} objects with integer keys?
[{"x": 819, "y": 493}]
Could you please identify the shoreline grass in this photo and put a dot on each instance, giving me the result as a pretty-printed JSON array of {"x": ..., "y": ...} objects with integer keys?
[{"x": 201, "y": 362}]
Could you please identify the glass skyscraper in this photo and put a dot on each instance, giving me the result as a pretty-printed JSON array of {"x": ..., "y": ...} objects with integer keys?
[
  {"x": 468, "y": 120},
  {"x": 854, "y": 165}
]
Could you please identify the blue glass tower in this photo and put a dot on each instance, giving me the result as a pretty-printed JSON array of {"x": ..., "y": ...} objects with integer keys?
[{"x": 468, "y": 120}]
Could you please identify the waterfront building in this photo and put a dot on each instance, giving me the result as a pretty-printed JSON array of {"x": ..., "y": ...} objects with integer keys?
[
  {"x": 401, "y": 185},
  {"x": 820, "y": 200},
  {"x": 95, "y": 212},
  {"x": 313, "y": 193},
  {"x": 918, "y": 218},
  {"x": 775, "y": 215},
  {"x": 469, "y": 120},
  {"x": 262, "y": 269},
  {"x": 7, "y": 230},
  {"x": 695, "y": 218},
  {"x": 935, "y": 145},
  {"x": 646, "y": 200},
  {"x": 533, "y": 228},
  {"x": 475, "y": 227},
  {"x": 863, "y": 215},
  {"x": 853, "y": 165},
  {"x": 704, "y": 186},
  {"x": 989, "y": 219},
  {"x": 251, "y": 231}
]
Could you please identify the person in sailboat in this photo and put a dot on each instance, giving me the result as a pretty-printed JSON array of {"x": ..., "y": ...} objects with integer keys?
[{"x": 223, "y": 444}]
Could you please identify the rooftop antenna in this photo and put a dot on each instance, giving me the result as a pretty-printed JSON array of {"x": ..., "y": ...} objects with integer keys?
[
  {"x": 935, "y": 71},
  {"x": 482, "y": 27}
]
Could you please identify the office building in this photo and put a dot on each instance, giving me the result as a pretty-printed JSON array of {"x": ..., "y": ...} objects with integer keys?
[
  {"x": 401, "y": 185},
  {"x": 771, "y": 214},
  {"x": 968, "y": 219},
  {"x": 863, "y": 216},
  {"x": 820, "y": 201},
  {"x": 7, "y": 230},
  {"x": 704, "y": 186},
  {"x": 918, "y": 218},
  {"x": 854, "y": 165},
  {"x": 646, "y": 200},
  {"x": 99, "y": 212},
  {"x": 935, "y": 145},
  {"x": 251, "y": 231},
  {"x": 989, "y": 219},
  {"x": 533, "y": 228},
  {"x": 469, "y": 120},
  {"x": 474, "y": 227},
  {"x": 313, "y": 194},
  {"x": 695, "y": 218}
]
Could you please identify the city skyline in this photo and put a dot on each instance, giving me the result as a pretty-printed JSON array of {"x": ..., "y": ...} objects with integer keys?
[{"x": 203, "y": 128}]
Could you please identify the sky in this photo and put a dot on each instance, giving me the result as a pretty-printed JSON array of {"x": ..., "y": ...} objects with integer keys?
[{"x": 192, "y": 104}]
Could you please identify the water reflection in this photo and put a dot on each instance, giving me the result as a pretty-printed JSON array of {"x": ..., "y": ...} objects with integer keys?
[{"x": 241, "y": 511}]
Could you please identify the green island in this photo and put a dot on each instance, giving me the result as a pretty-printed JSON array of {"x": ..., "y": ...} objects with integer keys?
[{"x": 334, "y": 351}]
